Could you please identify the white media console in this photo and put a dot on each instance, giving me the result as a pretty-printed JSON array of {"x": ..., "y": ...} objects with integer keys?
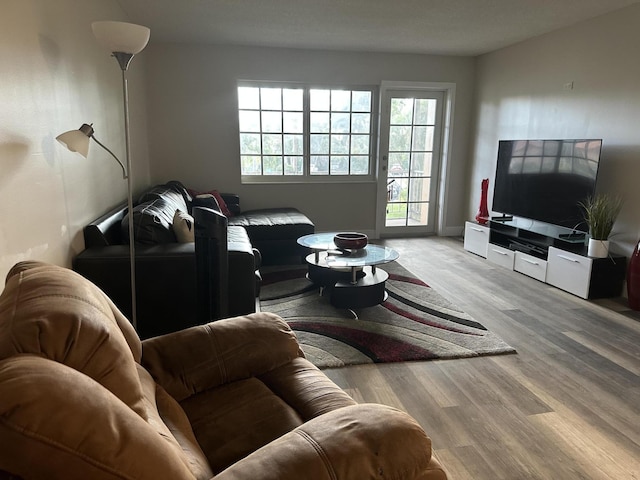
[{"x": 550, "y": 254}]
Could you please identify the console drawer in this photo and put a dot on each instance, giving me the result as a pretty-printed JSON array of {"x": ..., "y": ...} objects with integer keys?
[
  {"x": 531, "y": 266},
  {"x": 500, "y": 256},
  {"x": 476, "y": 238},
  {"x": 569, "y": 271}
]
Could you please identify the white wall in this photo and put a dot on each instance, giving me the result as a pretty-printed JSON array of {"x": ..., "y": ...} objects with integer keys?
[
  {"x": 193, "y": 121},
  {"x": 54, "y": 77},
  {"x": 521, "y": 94}
]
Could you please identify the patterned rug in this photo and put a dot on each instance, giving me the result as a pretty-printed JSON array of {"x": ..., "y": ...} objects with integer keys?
[{"x": 414, "y": 323}]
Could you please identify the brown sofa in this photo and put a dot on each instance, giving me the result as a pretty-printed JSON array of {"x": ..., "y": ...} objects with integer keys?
[{"x": 81, "y": 397}]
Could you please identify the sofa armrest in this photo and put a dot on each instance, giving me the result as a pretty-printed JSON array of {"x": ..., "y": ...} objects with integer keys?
[
  {"x": 105, "y": 230},
  {"x": 204, "y": 357},
  {"x": 58, "y": 423},
  {"x": 361, "y": 441},
  {"x": 165, "y": 282}
]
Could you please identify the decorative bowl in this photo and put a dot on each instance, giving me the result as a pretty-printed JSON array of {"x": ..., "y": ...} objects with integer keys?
[{"x": 350, "y": 240}]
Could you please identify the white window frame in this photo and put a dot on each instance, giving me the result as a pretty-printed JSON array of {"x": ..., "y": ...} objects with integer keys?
[{"x": 306, "y": 176}]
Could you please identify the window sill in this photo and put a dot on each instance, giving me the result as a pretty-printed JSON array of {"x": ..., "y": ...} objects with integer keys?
[{"x": 320, "y": 179}]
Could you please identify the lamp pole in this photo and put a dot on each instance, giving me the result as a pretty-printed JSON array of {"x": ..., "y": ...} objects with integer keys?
[
  {"x": 132, "y": 249},
  {"x": 124, "y": 40}
]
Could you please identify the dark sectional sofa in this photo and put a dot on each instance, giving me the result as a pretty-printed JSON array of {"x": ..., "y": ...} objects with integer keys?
[{"x": 166, "y": 268}]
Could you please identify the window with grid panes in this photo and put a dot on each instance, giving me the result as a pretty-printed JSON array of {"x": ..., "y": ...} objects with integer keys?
[{"x": 303, "y": 132}]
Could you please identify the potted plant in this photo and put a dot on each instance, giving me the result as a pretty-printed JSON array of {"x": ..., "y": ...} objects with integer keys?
[{"x": 600, "y": 213}]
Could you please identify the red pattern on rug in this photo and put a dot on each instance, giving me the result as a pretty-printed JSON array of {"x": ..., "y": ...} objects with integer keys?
[
  {"x": 379, "y": 348},
  {"x": 424, "y": 321}
]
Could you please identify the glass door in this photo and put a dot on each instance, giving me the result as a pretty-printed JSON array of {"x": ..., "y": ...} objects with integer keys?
[{"x": 410, "y": 139}]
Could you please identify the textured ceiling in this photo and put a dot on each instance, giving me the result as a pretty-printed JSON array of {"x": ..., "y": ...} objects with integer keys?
[{"x": 450, "y": 27}]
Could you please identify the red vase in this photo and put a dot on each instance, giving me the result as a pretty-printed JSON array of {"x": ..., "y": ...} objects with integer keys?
[
  {"x": 633, "y": 279},
  {"x": 483, "y": 211}
]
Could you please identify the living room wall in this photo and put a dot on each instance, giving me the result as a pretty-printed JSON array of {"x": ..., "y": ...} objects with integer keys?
[
  {"x": 522, "y": 92},
  {"x": 54, "y": 78},
  {"x": 193, "y": 122}
]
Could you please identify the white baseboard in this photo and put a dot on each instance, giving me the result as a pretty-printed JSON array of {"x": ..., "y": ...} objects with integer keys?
[{"x": 447, "y": 232}]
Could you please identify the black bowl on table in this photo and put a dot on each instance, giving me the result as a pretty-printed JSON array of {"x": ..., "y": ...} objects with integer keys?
[{"x": 350, "y": 240}]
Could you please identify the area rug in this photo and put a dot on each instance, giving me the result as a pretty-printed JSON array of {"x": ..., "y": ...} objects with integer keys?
[{"x": 414, "y": 323}]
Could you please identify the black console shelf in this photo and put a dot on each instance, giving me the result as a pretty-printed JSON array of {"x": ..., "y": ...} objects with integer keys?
[{"x": 534, "y": 238}]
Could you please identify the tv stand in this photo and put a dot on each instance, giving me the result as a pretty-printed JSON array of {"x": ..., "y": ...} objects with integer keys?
[
  {"x": 574, "y": 235},
  {"x": 502, "y": 218},
  {"x": 529, "y": 235},
  {"x": 548, "y": 253}
]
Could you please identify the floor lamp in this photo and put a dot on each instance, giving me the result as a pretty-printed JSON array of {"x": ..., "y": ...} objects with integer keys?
[{"x": 123, "y": 40}]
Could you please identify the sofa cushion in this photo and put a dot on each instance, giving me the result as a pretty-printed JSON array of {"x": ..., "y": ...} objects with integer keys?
[
  {"x": 170, "y": 193},
  {"x": 233, "y": 420},
  {"x": 274, "y": 224},
  {"x": 153, "y": 215},
  {"x": 238, "y": 236},
  {"x": 181, "y": 189},
  {"x": 152, "y": 222},
  {"x": 183, "y": 227}
]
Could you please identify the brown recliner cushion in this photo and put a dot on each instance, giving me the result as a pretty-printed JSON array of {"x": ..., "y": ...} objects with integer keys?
[
  {"x": 242, "y": 383},
  {"x": 55, "y": 313},
  {"x": 57, "y": 423}
]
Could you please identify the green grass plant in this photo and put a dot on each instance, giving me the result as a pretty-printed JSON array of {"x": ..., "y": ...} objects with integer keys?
[{"x": 600, "y": 213}]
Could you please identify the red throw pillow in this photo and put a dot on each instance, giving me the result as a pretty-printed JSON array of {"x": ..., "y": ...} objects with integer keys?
[{"x": 221, "y": 203}]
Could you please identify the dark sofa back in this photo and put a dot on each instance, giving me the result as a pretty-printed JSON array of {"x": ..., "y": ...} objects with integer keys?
[{"x": 152, "y": 214}]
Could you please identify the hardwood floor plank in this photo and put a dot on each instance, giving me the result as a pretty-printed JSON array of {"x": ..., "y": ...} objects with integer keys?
[
  {"x": 430, "y": 377},
  {"x": 624, "y": 359},
  {"x": 454, "y": 459},
  {"x": 372, "y": 385},
  {"x": 603, "y": 457}
]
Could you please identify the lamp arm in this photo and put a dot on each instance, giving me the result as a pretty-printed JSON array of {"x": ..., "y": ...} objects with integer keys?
[{"x": 124, "y": 171}]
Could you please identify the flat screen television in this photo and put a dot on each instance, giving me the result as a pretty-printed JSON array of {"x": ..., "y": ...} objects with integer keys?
[{"x": 545, "y": 180}]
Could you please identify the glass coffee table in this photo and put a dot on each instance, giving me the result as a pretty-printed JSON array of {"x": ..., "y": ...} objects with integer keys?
[{"x": 352, "y": 276}]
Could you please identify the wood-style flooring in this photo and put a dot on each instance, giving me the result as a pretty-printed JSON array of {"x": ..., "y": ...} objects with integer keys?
[{"x": 566, "y": 406}]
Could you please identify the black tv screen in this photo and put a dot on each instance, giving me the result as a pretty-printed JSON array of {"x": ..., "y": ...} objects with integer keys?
[{"x": 545, "y": 180}]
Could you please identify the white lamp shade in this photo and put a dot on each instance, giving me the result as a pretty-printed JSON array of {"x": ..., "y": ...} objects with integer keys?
[
  {"x": 121, "y": 37},
  {"x": 75, "y": 141}
]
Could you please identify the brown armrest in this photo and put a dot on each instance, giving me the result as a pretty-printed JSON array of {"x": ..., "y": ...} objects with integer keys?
[
  {"x": 56, "y": 422},
  {"x": 206, "y": 356},
  {"x": 360, "y": 441}
]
